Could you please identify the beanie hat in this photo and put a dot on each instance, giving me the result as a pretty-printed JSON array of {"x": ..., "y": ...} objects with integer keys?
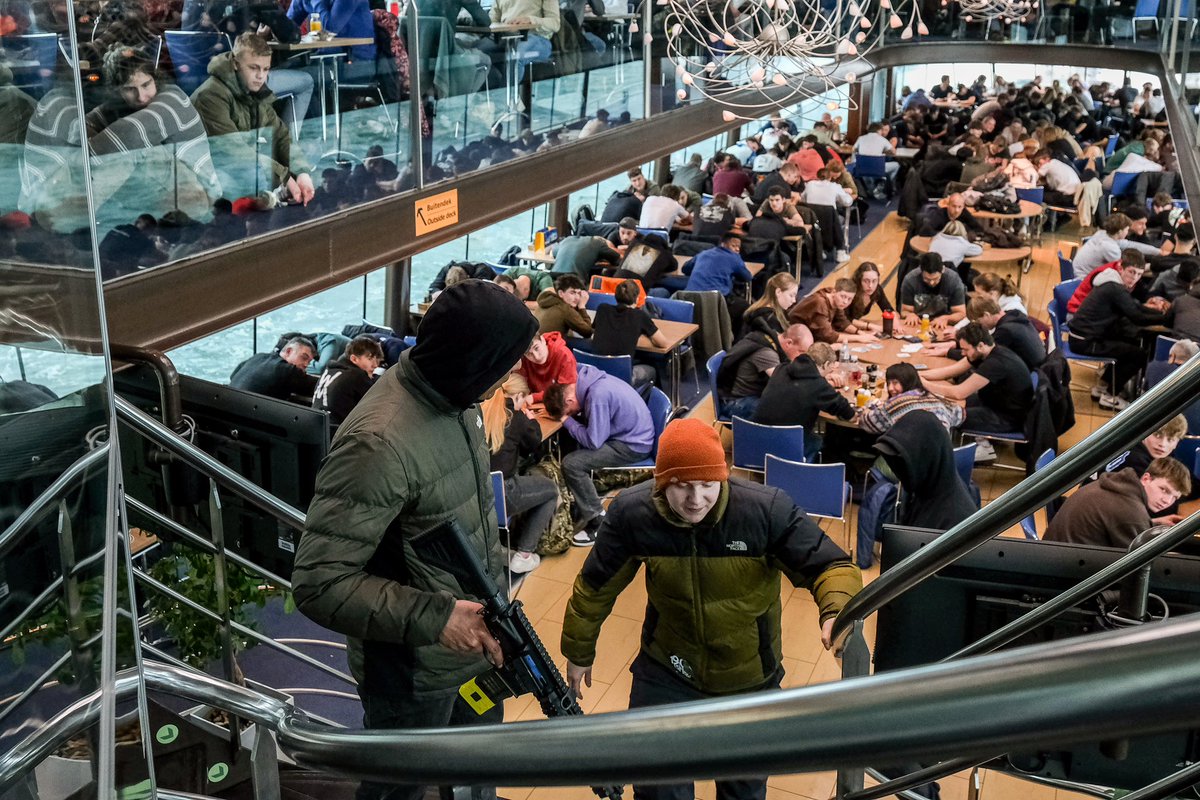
[
  {"x": 689, "y": 450},
  {"x": 470, "y": 338}
]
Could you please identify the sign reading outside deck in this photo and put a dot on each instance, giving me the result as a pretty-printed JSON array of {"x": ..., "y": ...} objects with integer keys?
[{"x": 436, "y": 211}]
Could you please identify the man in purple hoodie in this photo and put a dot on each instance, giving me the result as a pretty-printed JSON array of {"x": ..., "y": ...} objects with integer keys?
[{"x": 618, "y": 431}]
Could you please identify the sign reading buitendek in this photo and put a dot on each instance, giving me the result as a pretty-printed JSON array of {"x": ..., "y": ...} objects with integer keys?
[{"x": 436, "y": 211}]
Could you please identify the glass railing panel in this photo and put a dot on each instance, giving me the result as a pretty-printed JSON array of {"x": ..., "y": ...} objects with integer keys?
[
  {"x": 506, "y": 90},
  {"x": 66, "y": 618},
  {"x": 214, "y": 357}
]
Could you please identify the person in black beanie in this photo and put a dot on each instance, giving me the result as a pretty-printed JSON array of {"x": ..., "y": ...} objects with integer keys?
[{"x": 411, "y": 454}]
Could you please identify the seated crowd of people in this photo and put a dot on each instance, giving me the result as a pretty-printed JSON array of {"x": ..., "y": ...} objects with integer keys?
[{"x": 784, "y": 366}]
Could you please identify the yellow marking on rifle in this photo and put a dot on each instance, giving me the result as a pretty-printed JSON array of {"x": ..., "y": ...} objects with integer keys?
[{"x": 475, "y": 697}]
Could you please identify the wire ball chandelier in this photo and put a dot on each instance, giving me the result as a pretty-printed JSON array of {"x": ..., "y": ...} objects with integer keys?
[
  {"x": 987, "y": 10},
  {"x": 748, "y": 55},
  {"x": 752, "y": 55}
]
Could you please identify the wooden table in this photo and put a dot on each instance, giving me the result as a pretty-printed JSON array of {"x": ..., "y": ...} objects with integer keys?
[
  {"x": 676, "y": 334},
  {"x": 884, "y": 357},
  {"x": 310, "y": 47},
  {"x": 990, "y": 255},
  {"x": 548, "y": 424},
  {"x": 1028, "y": 209},
  {"x": 537, "y": 257}
]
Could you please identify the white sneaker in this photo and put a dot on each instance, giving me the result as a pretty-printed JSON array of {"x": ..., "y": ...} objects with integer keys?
[
  {"x": 521, "y": 563},
  {"x": 1098, "y": 390},
  {"x": 841, "y": 256},
  {"x": 984, "y": 451},
  {"x": 1113, "y": 402}
]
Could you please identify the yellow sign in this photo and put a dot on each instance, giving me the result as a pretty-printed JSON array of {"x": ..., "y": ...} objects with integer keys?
[{"x": 436, "y": 211}]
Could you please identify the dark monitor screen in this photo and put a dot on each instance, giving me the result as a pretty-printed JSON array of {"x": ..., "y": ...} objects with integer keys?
[
  {"x": 1001, "y": 581},
  {"x": 36, "y": 447},
  {"x": 275, "y": 444}
]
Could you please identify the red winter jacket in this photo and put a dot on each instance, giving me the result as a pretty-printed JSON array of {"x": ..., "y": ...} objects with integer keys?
[
  {"x": 1085, "y": 288},
  {"x": 559, "y": 367}
]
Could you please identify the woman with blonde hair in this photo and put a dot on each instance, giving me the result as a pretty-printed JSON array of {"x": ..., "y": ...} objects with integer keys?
[
  {"x": 777, "y": 298},
  {"x": 531, "y": 500}
]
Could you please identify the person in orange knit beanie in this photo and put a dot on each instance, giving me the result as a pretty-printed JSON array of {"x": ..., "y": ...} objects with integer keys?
[{"x": 714, "y": 548}]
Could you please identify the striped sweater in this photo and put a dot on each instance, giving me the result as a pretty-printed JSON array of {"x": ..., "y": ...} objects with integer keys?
[{"x": 879, "y": 418}]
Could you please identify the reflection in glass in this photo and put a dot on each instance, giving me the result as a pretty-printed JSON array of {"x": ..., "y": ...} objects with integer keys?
[{"x": 66, "y": 620}]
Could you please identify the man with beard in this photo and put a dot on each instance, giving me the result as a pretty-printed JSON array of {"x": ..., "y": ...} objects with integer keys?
[{"x": 997, "y": 387}]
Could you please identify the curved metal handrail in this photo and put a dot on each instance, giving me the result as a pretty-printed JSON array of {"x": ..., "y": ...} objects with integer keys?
[
  {"x": 1124, "y": 430},
  {"x": 1128, "y": 683},
  {"x": 164, "y": 437}
]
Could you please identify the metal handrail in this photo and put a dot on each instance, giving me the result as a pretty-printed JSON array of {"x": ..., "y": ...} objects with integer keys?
[
  {"x": 1124, "y": 430},
  {"x": 164, "y": 437},
  {"x": 1128, "y": 683}
]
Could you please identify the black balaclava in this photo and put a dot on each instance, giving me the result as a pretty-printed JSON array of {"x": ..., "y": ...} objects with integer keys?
[{"x": 472, "y": 335}]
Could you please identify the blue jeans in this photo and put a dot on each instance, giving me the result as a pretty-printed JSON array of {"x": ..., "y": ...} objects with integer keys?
[
  {"x": 532, "y": 48},
  {"x": 743, "y": 407},
  {"x": 531, "y": 502},
  {"x": 577, "y": 469}
]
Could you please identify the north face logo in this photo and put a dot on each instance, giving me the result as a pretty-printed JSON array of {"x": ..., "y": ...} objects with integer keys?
[
  {"x": 737, "y": 545},
  {"x": 682, "y": 667}
]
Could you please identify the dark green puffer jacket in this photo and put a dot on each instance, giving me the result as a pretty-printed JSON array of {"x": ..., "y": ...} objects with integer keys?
[
  {"x": 714, "y": 610},
  {"x": 234, "y": 118},
  {"x": 404, "y": 460}
]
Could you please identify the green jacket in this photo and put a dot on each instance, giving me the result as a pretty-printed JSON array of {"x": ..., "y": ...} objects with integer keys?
[
  {"x": 714, "y": 610},
  {"x": 231, "y": 112},
  {"x": 402, "y": 461},
  {"x": 553, "y": 314}
]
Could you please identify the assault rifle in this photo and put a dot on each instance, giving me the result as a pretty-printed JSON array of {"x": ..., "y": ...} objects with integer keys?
[{"x": 527, "y": 669}]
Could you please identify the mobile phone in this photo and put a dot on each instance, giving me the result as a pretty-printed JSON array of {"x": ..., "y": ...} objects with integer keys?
[
  {"x": 912, "y": 339},
  {"x": 920, "y": 367},
  {"x": 883, "y": 336}
]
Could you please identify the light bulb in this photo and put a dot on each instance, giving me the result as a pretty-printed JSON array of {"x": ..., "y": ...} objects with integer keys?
[
  {"x": 633, "y": 27},
  {"x": 861, "y": 37},
  {"x": 779, "y": 80},
  {"x": 647, "y": 39},
  {"x": 851, "y": 77},
  {"x": 687, "y": 79},
  {"x": 832, "y": 106},
  {"x": 854, "y": 9},
  {"x": 729, "y": 39},
  {"x": 864, "y": 23},
  {"x": 894, "y": 21},
  {"x": 922, "y": 29},
  {"x": 758, "y": 74},
  {"x": 907, "y": 33},
  {"x": 728, "y": 116},
  {"x": 681, "y": 94}
]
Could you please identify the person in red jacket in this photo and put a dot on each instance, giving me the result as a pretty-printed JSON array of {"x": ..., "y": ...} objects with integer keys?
[{"x": 548, "y": 360}]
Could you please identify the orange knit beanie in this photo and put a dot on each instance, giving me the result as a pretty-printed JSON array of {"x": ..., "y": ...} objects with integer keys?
[{"x": 689, "y": 450}]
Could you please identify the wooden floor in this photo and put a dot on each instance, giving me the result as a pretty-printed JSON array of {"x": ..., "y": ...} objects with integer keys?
[{"x": 545, "y": 591}]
